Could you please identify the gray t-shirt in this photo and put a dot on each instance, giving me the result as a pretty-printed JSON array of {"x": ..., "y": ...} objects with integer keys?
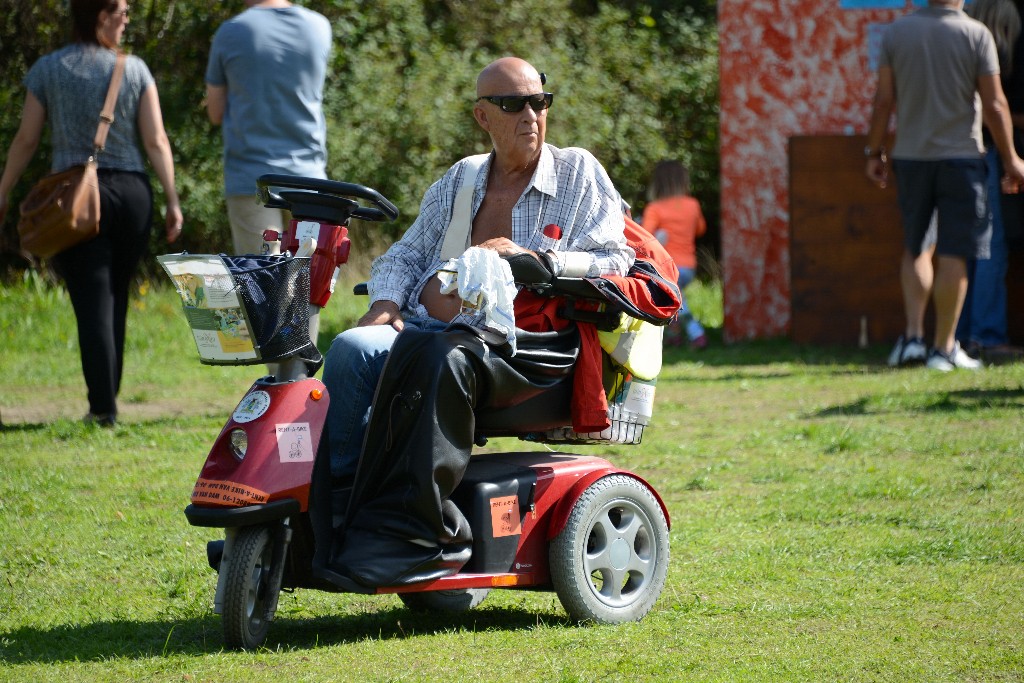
[
  {"x": 71, "y": 84},
  {"x": 273, "y": 62},
  {"x": 937, "y": 55}
]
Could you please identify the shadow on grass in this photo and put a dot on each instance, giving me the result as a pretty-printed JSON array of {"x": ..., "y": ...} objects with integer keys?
[
  {"x": 776, "y": 350},
  {"x": 106, "y": 640},
  {"x": 23, "y": 427},
  {"x": 942, "y": 402},
  {"x": 205, "y": 420}
]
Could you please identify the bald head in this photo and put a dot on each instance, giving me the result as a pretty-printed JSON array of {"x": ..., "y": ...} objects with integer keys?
[{"x": 507, "y": 76}]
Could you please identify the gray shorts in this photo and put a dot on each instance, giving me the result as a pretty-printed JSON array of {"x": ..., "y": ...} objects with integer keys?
[{"x": 951, "y": 191}]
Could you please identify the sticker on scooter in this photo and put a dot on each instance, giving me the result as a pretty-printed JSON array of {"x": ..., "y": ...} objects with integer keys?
[
  {"x": 211, "y": 492},
  {"x": 505, "y": 516},
  {"x": 252, "y": 407},
  {"x": 294, "y": 443},
  {"x": 307, "y": 230}
]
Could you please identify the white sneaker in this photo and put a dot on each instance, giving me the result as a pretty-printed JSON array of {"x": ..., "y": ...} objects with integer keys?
[
  {"x": 907, "y": 352},
  {"x": 946, "y": 362}
]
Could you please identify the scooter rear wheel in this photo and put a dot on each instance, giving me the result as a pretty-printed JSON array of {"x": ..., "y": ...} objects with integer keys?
[
  {"x": 609, "y": 563},
  {"x": 450, "y": 601},
  {"x": 247, "y": 588}
]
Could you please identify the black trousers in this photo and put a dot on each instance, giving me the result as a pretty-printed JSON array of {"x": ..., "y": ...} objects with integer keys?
[{"x": 98, "y": 275}]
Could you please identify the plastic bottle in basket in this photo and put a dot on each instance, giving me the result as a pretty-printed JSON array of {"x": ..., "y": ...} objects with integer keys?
[{"x": 629, "y": 417}]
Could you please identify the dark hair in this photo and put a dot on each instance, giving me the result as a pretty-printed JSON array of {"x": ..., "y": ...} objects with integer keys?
[
  {"x": 84, "y": 16},
  {"x": 1002, "y": 18},
  {"x": 670, "y": 179}
]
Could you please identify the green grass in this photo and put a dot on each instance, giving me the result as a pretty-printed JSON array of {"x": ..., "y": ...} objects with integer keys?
[{"x": 832, "y": 520}]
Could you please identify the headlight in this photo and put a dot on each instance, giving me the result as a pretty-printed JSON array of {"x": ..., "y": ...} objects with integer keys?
[{"x": 239, "y": 442}]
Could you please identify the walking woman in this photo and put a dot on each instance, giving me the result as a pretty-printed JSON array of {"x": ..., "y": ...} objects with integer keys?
[{"x": 66, "y": 90}]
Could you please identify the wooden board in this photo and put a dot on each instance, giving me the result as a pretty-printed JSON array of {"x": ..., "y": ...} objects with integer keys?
[{"x": 845, "y": 245}]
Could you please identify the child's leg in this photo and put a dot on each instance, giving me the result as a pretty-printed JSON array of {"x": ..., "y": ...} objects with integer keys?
[{"x": 694, "y": 330}]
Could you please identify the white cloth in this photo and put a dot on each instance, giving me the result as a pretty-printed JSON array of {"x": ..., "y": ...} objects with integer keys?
[{"x": 484, "y": 282}]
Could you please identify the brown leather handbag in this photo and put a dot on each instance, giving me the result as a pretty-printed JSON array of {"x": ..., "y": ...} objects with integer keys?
[{"x": 63, "y": 209}]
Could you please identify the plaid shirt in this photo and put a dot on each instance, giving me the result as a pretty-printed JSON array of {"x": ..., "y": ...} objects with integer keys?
[{"x": 569, "y": 189}]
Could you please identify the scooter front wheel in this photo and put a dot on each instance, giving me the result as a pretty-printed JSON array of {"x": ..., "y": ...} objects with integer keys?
[
  {"x": 610, "y": 561},
  {"x": 248, "y": 588}
]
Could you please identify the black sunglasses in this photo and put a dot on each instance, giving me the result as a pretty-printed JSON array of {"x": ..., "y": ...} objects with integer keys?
[{"x": 515, "y": 103}]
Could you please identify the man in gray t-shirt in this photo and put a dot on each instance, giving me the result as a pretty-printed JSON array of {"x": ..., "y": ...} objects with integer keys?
[
  {"x": 938, "y": 69},
  {"x": 264, "y": 85}
]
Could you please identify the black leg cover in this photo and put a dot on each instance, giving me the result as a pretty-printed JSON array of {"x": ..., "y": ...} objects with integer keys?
[{"x": 401, "y": 527}]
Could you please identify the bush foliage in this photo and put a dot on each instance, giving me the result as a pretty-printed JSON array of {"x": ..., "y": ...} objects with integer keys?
[{"x": 635, "y": 83}]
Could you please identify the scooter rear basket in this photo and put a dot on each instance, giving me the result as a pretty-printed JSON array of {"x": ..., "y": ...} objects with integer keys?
[{"x": 630, "y": 406}]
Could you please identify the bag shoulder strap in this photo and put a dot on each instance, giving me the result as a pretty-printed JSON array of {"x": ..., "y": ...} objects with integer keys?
[
  {"x": 457, "y": 234},
  {"x": 107, "y": 114}
]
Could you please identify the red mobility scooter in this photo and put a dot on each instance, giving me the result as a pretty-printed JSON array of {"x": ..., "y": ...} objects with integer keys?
[{"x": 596, "y": 534}]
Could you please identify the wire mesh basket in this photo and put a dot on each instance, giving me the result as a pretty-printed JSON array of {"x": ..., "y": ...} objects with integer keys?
[
  {"x": 630, "y": 407},
  {"x": 274, "y": 293}
]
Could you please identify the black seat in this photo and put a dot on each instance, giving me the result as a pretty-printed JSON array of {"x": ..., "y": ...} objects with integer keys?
[{"x": 545, "y": 411}]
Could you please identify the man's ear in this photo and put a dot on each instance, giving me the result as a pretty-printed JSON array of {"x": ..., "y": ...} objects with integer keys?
[{"x": 480, "y": 114}]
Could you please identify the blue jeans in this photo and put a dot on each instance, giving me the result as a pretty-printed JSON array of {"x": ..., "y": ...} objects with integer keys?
[
  {"x": 693, "y": 327},
  {"x": 983, "y": 318},
  {"x": 352, "y": 369}
]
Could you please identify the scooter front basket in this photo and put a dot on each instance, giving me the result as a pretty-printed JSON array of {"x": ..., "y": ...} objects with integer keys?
[{"x": 245, "y": 310}]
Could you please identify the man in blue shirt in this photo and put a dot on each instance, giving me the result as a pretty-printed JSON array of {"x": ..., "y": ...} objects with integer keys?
[{"x": 264, "y": 86}]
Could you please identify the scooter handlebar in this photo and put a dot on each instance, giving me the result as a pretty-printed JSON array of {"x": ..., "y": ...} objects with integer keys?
[{"x": 384, "y": 210}]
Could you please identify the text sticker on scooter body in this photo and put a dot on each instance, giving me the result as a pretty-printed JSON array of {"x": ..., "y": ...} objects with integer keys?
[
  {"x": 505, "y": 517},
  {"x": 307, "y": 230},
  {"x": 294, "y": 443},
  {"x": 251, "y": 407}
]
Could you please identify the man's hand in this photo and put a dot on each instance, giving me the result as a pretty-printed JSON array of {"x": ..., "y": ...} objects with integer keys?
[
  {"x": 877, "y": 171},
  {"x": 382, "y": 312},
  {"x": 1013, "y": 178},
  {"x": 505, "y": 247}
]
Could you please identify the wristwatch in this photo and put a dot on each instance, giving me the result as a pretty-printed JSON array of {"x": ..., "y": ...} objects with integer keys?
[{"x": 870, "y": 152}]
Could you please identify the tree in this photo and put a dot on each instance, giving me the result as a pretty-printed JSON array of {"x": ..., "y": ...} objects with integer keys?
[{"x": 634, "y": 82}]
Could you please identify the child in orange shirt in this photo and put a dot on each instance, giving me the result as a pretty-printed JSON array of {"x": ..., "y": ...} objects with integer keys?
[{"x": 675, "y": 218}]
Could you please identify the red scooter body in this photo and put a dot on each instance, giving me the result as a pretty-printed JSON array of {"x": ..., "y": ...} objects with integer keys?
[
  {"x": 282, "y": 424},
  {"x": 529, "y": 520}
]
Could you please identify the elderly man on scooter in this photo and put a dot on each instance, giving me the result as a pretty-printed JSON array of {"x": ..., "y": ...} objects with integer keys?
[{"x": 557, "y": 206}]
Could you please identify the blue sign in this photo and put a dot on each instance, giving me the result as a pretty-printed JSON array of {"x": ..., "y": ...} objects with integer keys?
[
  {"x": 874, "y": 4},
  {"x": 883, "y": 4}
]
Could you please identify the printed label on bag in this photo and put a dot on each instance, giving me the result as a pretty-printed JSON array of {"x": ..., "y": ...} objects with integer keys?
[
  {"x": 640, "y": 398},
  {"x": 505, "y": 516}
]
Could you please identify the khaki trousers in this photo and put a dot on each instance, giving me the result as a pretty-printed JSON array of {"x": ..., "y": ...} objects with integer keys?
[{"x": 249, "y": 218}]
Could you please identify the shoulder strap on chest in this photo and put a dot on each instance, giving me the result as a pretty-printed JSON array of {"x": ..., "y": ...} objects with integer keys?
[{"x": 457, "y": 234}]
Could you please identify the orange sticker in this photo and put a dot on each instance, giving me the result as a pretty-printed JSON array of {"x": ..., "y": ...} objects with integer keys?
[
  {"x": 226, "y": 493},
  {"x": 505, "y": 516}
]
